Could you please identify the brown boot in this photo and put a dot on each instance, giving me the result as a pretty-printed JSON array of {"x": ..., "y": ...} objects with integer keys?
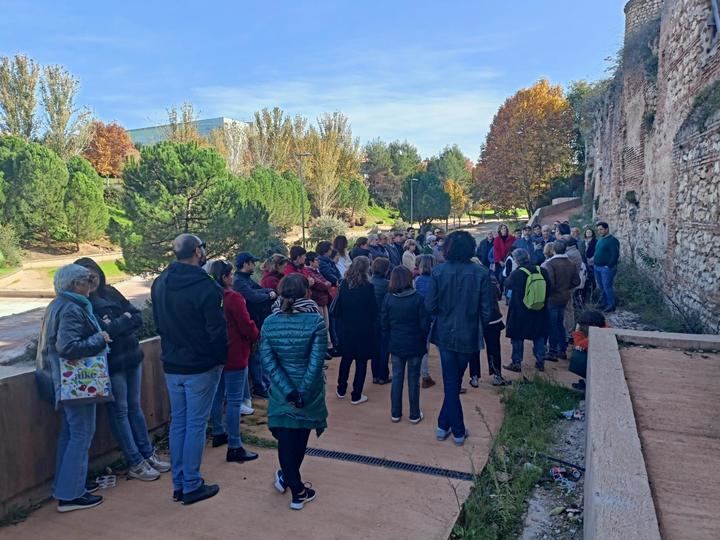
[{"x": 427, "y": 382}]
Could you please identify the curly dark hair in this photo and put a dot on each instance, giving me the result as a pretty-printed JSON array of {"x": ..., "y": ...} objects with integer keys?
[{"x": 460, "y": 247}]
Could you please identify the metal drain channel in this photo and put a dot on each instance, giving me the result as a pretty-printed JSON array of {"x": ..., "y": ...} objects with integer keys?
[{"x": 389, "y": 463}]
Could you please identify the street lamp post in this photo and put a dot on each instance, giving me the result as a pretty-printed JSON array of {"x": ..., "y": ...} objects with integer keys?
[
  {"x": 300, "y": 157},
  {"x": 411, "y": 199}
]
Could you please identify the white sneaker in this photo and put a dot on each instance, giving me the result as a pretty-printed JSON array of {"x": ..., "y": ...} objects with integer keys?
[
  {"x": 158, "y": 464},
  {"x": 363, "y": 399},
  {"x": 245, "y": 410},
  {"x": 418, "y": 419},
  {"x": 143, "y": 471},
  {"x": 248, "y": 403}
]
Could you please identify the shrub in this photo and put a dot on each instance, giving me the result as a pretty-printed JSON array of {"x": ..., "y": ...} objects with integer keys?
[
  {"x": 400, "y": 225},
  {"x": 147, "y": 330},
  {"x": 326, "y": 228},
  {"x": 10, "y": 252}
]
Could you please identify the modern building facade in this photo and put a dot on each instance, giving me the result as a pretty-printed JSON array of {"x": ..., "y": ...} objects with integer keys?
[{"x": 155, "y": 134}]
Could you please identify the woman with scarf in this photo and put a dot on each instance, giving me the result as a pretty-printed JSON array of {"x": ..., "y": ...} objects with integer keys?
[
  {"x": 293, "y": 344},
  {"x": 70, "y": 331}
]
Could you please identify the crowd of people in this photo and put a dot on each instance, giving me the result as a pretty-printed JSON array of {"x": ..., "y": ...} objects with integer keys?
[{"x": 228, "y": 337}]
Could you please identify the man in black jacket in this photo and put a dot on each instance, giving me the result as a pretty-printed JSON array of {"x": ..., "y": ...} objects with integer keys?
[
  {"x": 188, "y": 313},
  {"x": 460, "y": 298},
  {"x": 259, "y": 303}
]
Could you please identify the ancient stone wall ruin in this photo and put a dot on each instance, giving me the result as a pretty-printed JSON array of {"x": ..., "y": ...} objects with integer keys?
[{"x": 654, "y": 154}]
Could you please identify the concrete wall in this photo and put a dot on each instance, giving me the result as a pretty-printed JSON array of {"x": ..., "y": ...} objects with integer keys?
[
  {"x": 29, "y": 430},
  {"x": 656, "y": 173}
]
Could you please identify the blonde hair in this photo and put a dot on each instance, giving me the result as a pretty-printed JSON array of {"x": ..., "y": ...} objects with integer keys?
[{"x": 273, "y": 263}]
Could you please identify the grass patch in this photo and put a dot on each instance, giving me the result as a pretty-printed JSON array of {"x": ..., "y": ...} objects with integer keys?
[
  {"x": 496, "y": 503},
  {"x": 637, "y": 292},
  {"x": 5, "y": 270},
  {"x": 376, "y": 214},
  {"x": 112, "y": 271}
]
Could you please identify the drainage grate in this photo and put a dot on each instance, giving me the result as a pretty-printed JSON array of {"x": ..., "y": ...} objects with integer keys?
[{"x": 388, "y": 463}]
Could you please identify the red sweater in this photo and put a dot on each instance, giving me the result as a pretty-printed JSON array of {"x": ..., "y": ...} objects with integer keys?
[
  {"x": 290, "y": 268},
  {"x": 271, "y": 280},
  {"x": 320, "y": 290},
  {"x": 502, "y": 247},
  {"x": 241, "y": 330}
]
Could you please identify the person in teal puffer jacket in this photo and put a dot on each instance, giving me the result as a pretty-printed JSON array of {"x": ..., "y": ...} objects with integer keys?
[{"x": 293, "y": 344}]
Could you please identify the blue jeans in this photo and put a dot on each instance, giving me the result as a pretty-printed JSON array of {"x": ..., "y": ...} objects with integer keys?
[
  {"x": 127, "y": 420},
  {"x": 191, "y": 397},
  {"x": 71, "y": 458},
  {"x": 396, "y": 390},
  {"x": 453, "y": 366},
  {"x": 518, "y": 349},
  {"x": 605, "y": 277},
  {"x": 558, "y": 343},
  {"x": 233, "y": 385},
  {"x": 260, "y": 380}
]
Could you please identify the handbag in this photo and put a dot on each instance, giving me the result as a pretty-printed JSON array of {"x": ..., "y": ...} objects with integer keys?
[{"x": 85, "y": 381}]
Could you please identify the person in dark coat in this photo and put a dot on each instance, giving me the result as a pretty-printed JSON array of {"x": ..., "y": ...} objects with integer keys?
[
  {"x": 376, "y": 249},
  {"x": 379, "y": 361},
  {"x": 121, "y": 320},
  {"x": 425, "y": 265},
  {"x": 483, "y": 249},
  {"x": 406, "y": 322},
  {"x": 70, "y": 331},
  {"x": 188, "y": 313},
  {"x": 357, "y": 311},
  {"x": 329, "y": 271},
  {"x": 259, "y": 304},
  {"x": 361, "y": 248},
  {"x": 524, "y": 323},
  {"x": 459, "y": 297}
]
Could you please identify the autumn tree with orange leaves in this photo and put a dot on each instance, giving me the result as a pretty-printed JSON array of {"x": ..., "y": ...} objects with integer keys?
[
  {"x": 529, "y": 144},
  {"x": 109, "y": 148}
]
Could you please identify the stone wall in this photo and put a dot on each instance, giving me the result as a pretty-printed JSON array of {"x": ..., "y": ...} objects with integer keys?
[{"x": 654, "y": 168}]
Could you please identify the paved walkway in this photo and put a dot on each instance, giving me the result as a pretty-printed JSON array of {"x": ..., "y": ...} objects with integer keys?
[
  {"x": 355, "y": 500},
  {"x": 676, "y": 402}
]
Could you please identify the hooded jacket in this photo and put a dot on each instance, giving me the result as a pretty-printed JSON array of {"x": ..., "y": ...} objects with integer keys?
[
  {"x": 258, "y": 299},
  {"x": 407, "y": 322},
  {"x": 188, "y": 312}
]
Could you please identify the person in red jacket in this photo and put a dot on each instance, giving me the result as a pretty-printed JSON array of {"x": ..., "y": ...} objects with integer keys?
[
  {"x": 242, "y": 335},
  {"x": 321, "y": 289},
  {"x": 273, "y": 271},
  {"x": 297, "y": 261},
  {"x": 502, "y": 247}
]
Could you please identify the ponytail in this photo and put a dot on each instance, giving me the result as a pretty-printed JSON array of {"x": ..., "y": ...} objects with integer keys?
[{"x": 287, "y": 305}]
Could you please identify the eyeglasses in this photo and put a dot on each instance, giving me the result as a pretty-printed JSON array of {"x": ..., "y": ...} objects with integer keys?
[{"x": 202, "y": 245}]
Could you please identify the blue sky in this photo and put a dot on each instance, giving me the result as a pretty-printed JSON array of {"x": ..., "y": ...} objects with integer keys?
[{"x": 431, "y": 72}]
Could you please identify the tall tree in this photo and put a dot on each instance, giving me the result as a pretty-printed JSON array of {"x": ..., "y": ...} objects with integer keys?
[
  {"x": 37, "y": 180},
  {"x": 85, "y": 208},
  {"x": 181, "y": 126},
  {"x": 377, "y": 166},
  {"x": 68, "y": 128},
  {"x": 181, "y": 187},
  {"x": 281, "y": 195},
  {"x": 405, "y": 158},
  {"x": 459, "y": 200},
  {"x": 109, "y": 149},
  {"x": 272, "y": 140},
  {"x": 429, "y": 199},
  {"x": 451, "y": 164},
  {"x": 18, "y": 83},
  {"x": 529, "y": 143}
]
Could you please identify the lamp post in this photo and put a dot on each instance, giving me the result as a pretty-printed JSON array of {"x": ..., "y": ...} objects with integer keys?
[
  {"x": 300, "y": 157},
  {"x": 411, "y": 199}
]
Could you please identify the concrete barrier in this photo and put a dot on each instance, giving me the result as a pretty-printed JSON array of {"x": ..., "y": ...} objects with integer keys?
[
  {"x": 618, "y": 500},
  {"x": 29, "y": 430}
]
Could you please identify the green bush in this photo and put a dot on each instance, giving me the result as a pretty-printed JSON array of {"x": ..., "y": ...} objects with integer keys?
[
  {"x": 10, "y": 252},
  {"x": 400, "y": 225},
  {"x": 147, "y": 330},
  {"x": 326, "y": 228}
]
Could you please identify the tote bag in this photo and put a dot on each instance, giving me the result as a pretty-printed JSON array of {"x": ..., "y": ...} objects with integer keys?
[{"x": 85, "y": 381}]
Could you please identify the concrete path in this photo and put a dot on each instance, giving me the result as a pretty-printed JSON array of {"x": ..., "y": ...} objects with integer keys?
[
  {"x": 676, "y": 403},
  {"x": 355, "y": 500}
]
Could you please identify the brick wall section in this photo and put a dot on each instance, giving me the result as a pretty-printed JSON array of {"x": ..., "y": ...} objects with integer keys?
[{"x": 673, "y": 166}]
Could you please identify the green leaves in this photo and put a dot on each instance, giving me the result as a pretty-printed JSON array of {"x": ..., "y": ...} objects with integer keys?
[{"x": 429, "y": 199}]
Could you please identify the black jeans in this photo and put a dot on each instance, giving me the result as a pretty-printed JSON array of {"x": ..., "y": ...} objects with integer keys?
[
  {"x": 292, "y": 443},
  {"x": 491, "y": 333},
  {"x": 475, "y": 365},
  {"x": 344, "y": 373},
  {"x": 379, "y": 362}
]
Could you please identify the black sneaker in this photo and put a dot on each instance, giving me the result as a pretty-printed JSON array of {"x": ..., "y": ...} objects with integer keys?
[
  {"x": 240, "y": 455},
  {"x": 200, "y": 494},
  {"x": 219, "y": 440},
  {"x": 334, "y": 352},
  {"x": 280, "y": 484},
  {"x": 91, "y": 486},
  {"x": 580, "y": 385},
  {"x": 550, "y": 358},
  {"x": 539, "y": 366},
  {"x": 299, "y": 500},
  {"x": 384, "y": 381},
  {"x": 513, "y": 367},
  {"x": 81, "y": 503},
  {"x": 262, "y": 394},
  {"x": 178, "y": 495}
]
